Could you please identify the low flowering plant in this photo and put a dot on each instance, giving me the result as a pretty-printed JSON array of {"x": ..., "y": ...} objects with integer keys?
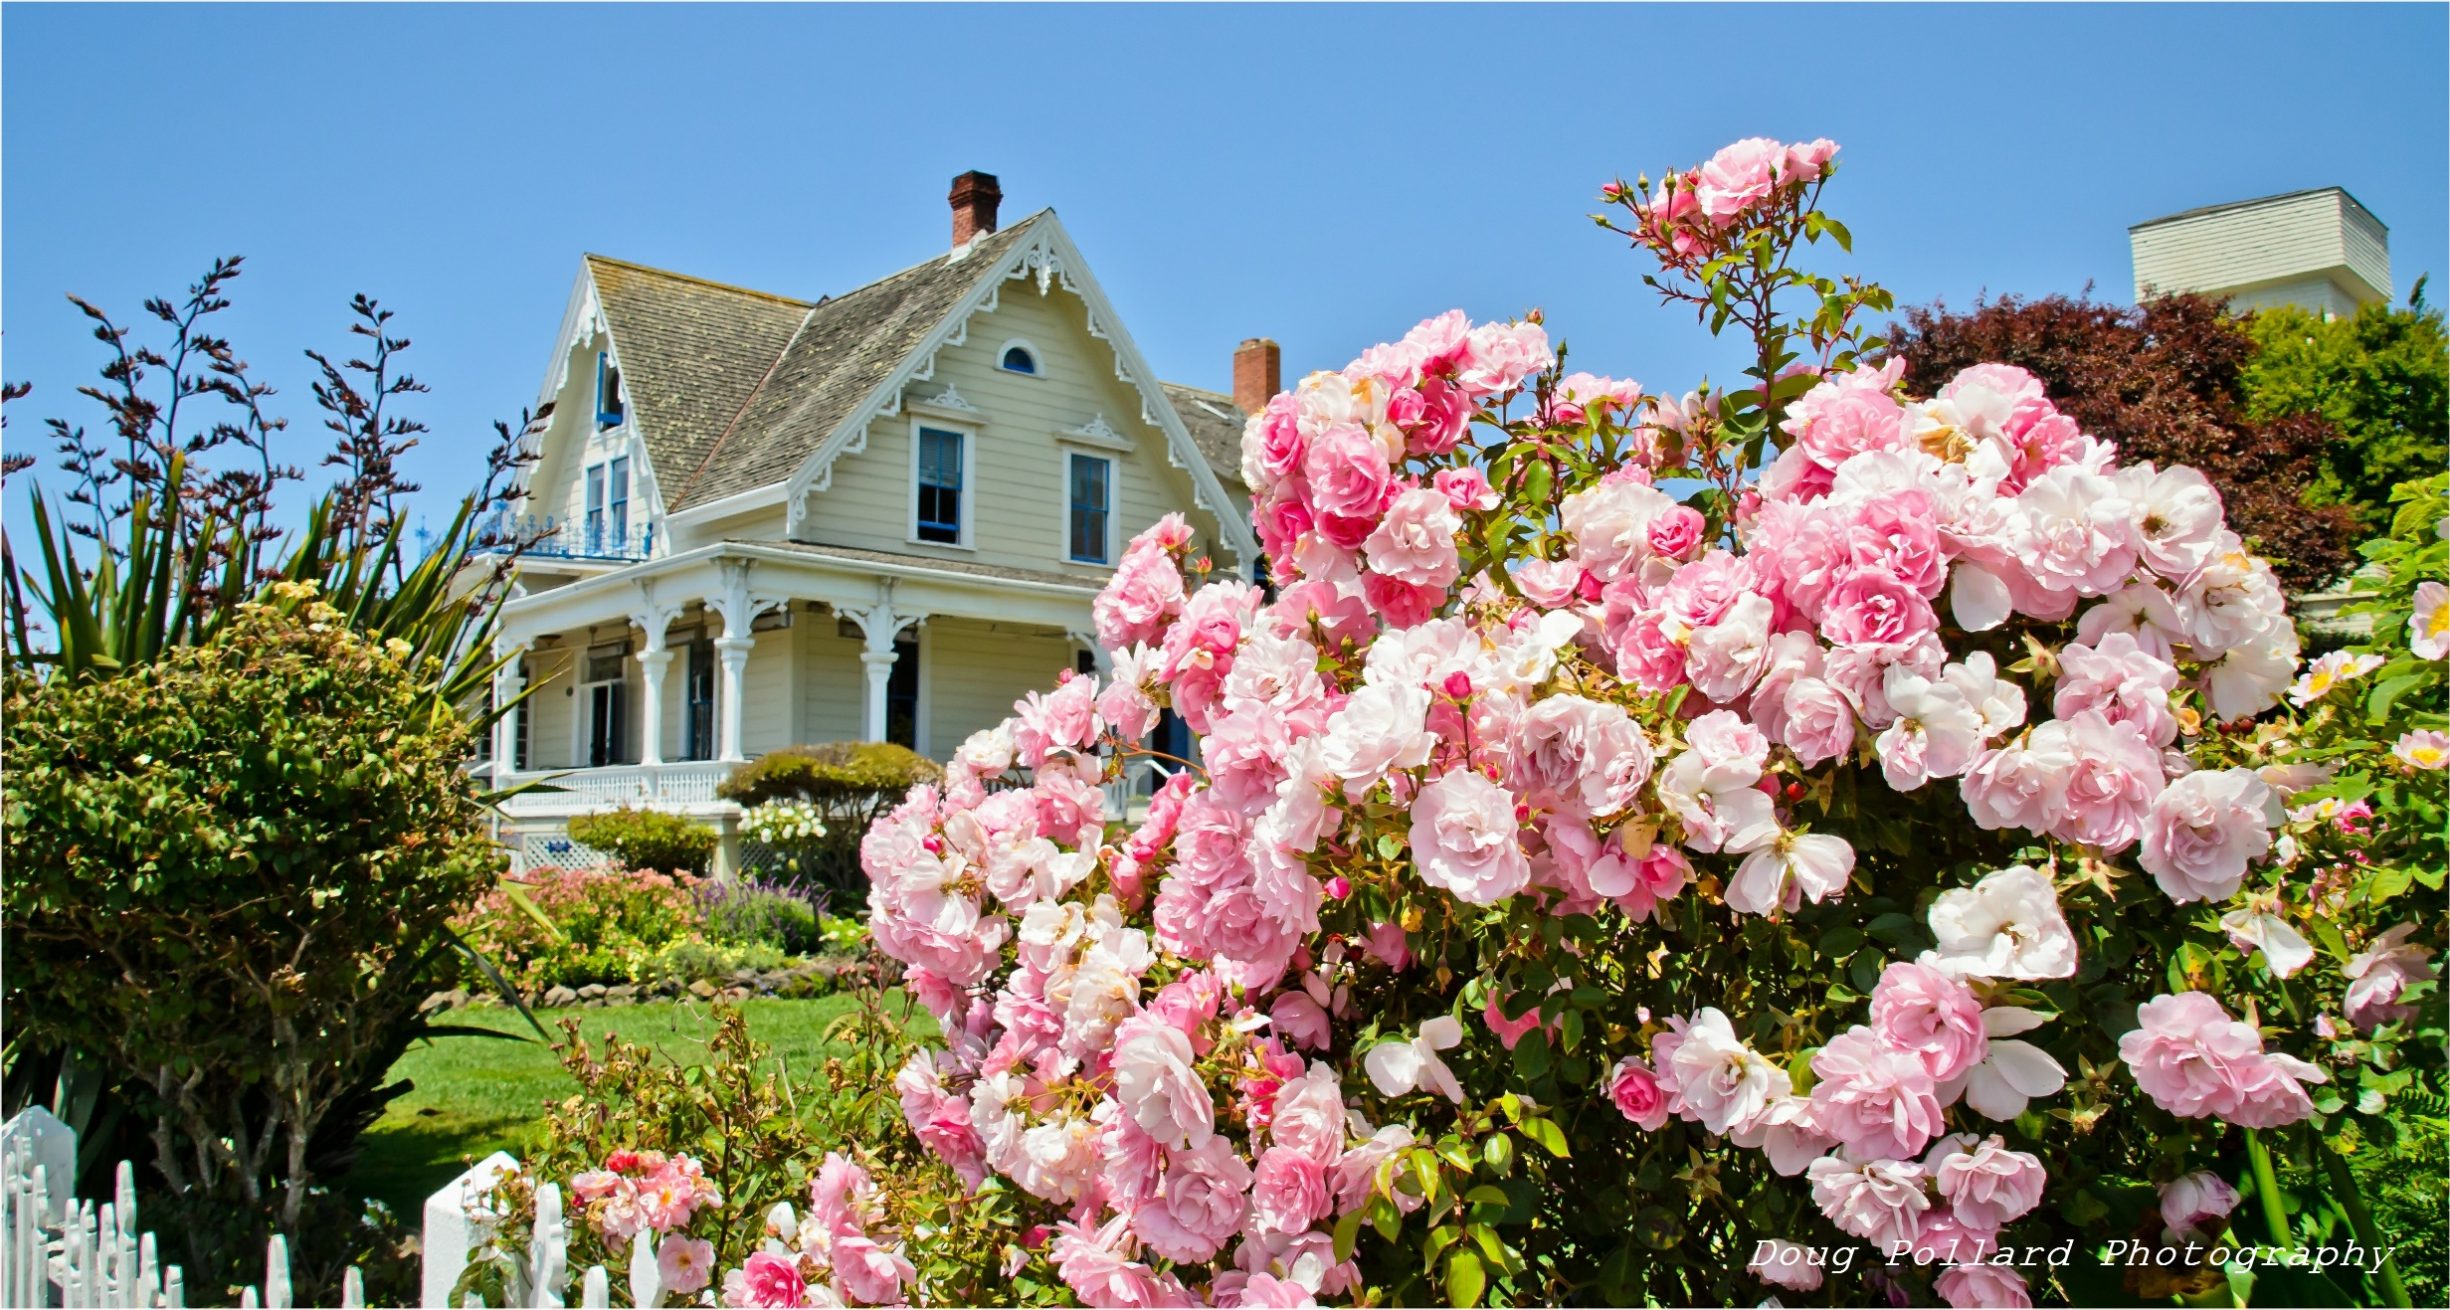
[{"x": 1638, "y": 835}]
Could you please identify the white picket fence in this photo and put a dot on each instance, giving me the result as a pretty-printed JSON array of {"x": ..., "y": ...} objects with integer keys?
[{"x": 58, "y": 1251}]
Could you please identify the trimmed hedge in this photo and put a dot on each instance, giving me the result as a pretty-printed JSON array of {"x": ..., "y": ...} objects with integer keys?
[
  {"x": 840, "y": 773},
  {"x": 648, "y": 839}
]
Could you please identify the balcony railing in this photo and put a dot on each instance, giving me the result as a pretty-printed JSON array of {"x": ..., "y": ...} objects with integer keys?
[
  {"x": 555, "y": 539},
  {"x": 684, "y": 782}
]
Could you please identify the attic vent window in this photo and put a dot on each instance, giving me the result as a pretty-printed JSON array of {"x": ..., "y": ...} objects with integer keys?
[
  {"x": 1017, "y": 359},
  {"x": 607, "y": 392}
]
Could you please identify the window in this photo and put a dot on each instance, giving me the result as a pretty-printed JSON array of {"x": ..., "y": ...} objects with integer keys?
[
  {"x": 902, "y": 693},
  {"x": 607, "y": 392},
  {"x": 940, "y": 460},
  {"x": 523, "y": 717},
  {"x": 1092, "y": 502},
  {"x": 617, "y": 515},
  {"x": 700, "y": 696},
  {"x": 1017, "y": 359},
  {"x": 595, "y": 508},
  {"x": 607, "y": 704}
]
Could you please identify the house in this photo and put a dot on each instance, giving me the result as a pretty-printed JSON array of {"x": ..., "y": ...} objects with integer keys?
[
  {"x": 877, "y": 515},
  {"x": 2318, "y": 249}
]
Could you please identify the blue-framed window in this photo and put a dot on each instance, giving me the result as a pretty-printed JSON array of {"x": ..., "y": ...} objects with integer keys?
[
  {"x": 617, "y": 504},
  {"x": 595, "y": 508},
  {"x": 940, "y": 486},
  {"x": 1017, "y": 359},
  {"x": 1092, "y": 504},
  {"x": 607, "y": 391}
]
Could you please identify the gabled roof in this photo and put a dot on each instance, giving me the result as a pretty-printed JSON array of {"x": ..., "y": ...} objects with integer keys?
[
  {"x": 737, "y": 391},
  {"x": 1215, "y": 423},
  {"x": 693, "y": 352},
  {"x": 845, "y": 346}
]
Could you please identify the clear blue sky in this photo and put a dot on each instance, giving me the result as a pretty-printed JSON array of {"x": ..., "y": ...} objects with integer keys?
[{"x": 1325, "y": 176}]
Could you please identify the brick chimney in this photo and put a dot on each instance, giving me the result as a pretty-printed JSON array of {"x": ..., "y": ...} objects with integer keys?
[
  {"x": 1258, "y": 374},
  {"x": 975, "y": 196}
]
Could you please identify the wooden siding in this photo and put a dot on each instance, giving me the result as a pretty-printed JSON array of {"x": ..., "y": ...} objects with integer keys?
[
  {"x": 2282, "y": 240},
  {"x": 832, "y": 682},
  {"x": 1016, "y": 504},
  {"x": 973, "y": 672}
]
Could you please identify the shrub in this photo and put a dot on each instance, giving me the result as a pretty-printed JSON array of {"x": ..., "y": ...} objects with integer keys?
[
  {"x": 648, "y": 839},
  {"x": 833, "y": 775},
  {"x": 763, "y": 913},
  {"x": 587, "y": 925},
  {"x": 1594, "y": 895},
  {"x": 810, "y": 803},
  {"x": 2381, "y": 377},
  {"x": 757, "y": 1137},
  {"x": 231, "y": 872}
]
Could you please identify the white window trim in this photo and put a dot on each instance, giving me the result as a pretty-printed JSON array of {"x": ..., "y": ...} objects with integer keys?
[
  {"x": 1036, "y": 355},
  {"x": 969, "y": 483},
  {"x": 1063, "y": 502}
]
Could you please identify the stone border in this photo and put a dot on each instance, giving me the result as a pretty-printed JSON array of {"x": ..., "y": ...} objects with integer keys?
[{"x": 805, "y": 979}]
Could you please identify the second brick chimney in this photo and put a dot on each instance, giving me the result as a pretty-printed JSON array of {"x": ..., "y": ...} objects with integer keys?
[
  {"x": 1258, "y": 374},
  {"x": 975, "y": 196}
]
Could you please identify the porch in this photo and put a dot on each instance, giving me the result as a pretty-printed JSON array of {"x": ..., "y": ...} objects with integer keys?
[{"x": 649, "y": 685}]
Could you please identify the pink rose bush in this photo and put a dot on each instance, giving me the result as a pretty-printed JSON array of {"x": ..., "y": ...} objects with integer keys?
[{"x": 1823, "y": 785}]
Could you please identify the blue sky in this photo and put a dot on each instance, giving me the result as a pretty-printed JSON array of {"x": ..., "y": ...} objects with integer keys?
[{"x": 1325, "y": 176}]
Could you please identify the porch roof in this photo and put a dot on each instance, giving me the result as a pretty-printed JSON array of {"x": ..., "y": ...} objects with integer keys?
[{"x": 750, "y": 577}]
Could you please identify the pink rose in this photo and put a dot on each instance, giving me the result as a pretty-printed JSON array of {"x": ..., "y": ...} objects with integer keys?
[
  {"x": 1465, "y": 488},
  {"x": 1145, "y": 592},
  {"x": 1290, "y": 1190},
  {"x": 1676, "y": 532},
  {"x": 2118, "y": 677},
  {"x": 1985, "y": 1183},
  {"x": 2380, "y": 973},
  {"x": 1466, "y": 839},
  {"x": 1739, "y": 177},
  {"x": 2196, "y": 1207},
  {"x": 1987, "y": 1286},
  {"x": 1154, "y": 1082},
  {"x": 1635, "y": 1090},
  {"x": 1872, "y": 607},
  {"x": 1200, "y": 1204},
  {"x": 766, "y": 1280},
  {"x": 2110, "y": 790},
  {"x": 1919, "y": 1009},
  {"x": 685, "y": 1263},
  {"x": 868, "y": 1274},
  {"x": 1349, "y": 482},
  {"x": 1877, "y": 1100},
  {"x": 2194, "y": 1061},
  {"x": 1415, "y": 542},
  {"x": 1880, "y": 1201},
  {"x": 2204, "y": 830}
]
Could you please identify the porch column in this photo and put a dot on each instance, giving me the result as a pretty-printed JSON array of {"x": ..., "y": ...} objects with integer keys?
[
  {"x": 879, "y": 624},
  {"x": 879, "y": 668},
  {"x": 652, "y": 663},
  {"x": 654, "y": 660},
  {"x": 733, "y": 651},
  {"x": 507, "y": 684}
]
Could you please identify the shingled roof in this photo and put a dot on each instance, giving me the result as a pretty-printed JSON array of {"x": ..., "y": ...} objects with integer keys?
[
  {"x": 693, "y": 352},
  {"x": 1215, "y": 424},
  {"x": 847, "y": 345}
]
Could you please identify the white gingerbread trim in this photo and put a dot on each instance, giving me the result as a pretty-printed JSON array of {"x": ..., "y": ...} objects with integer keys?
[{"x": 1048, "y": 258}]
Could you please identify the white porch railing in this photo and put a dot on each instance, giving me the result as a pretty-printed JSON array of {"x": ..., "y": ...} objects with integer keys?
[{"x": 690, "y": 782}]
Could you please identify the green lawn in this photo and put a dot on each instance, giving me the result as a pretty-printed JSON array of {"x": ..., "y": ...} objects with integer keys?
[{"x": 476, "y": 1095}]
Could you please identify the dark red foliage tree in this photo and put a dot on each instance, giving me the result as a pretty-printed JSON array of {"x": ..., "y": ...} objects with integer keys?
[{"x": 2165, "y": 380}]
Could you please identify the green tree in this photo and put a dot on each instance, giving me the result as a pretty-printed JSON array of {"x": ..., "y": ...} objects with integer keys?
[{"x": 2382, "y": 378}]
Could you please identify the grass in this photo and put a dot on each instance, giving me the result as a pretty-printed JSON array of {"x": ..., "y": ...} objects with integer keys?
[{"x": 473, "y": 1095}]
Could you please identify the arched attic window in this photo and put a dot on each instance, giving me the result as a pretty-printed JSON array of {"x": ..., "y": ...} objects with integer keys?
[{"x": 1018, "y": 357}]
